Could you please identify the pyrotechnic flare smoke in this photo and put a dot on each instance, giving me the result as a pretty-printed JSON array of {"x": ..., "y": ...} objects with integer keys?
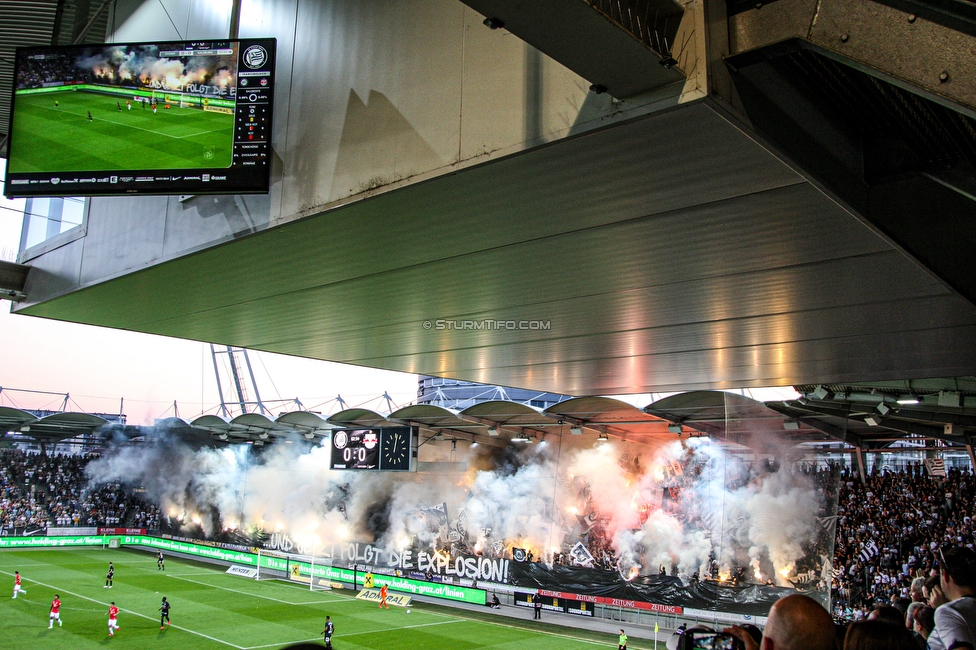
[
  {"x": 143, "y": 63},
  {"x": 673, "y": 505}
]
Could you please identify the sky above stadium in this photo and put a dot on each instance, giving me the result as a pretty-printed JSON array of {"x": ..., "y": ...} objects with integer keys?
[{"x": 99, "y": 367}]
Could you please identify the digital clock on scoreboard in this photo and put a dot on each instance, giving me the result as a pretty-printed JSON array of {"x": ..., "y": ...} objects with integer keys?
[{"x": 387, "y": 449}]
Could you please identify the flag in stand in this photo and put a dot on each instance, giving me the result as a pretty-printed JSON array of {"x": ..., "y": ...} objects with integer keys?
[
  {"x": 935, "y": 466},
  {"x": 868, "y": 551}
]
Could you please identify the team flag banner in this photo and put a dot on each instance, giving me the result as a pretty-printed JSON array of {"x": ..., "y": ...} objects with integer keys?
[
  {"x": 935, "y": 466},
  {"x": 373, "y": 596}
]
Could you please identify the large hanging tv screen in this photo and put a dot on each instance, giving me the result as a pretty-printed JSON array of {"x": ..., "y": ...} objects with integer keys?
[{"x": 188, "y": 117}]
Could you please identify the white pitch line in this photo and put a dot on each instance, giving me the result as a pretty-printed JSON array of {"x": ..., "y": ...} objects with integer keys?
[
  {"x": 516, "y": 627},
  {"x": 287, "y": 643},
  {"x": 129, "y": 611},
  {"x": 248, "y": 593},
  {"x": 133, "y": 126},
  {"x": 180, "y": 575},
  {"x": 454, "y": 618},
  {"x": 388, "y": 629}
]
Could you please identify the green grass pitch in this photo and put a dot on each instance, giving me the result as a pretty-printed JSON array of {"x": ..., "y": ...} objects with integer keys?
[
  {"x": 61, "y": 139},
  {"x": 211, "y": 609}
]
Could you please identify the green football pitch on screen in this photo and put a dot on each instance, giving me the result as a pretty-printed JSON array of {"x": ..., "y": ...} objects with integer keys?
[{"x": 53, "y": 133}]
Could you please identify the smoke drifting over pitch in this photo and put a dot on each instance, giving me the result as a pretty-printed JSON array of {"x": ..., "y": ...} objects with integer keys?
[
  {"x": 688, "y": 506},
  {"x": 145, "y": 66}
]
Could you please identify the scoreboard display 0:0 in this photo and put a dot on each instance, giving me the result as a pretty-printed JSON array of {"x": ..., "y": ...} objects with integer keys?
[{"x": 356, "y": 449}]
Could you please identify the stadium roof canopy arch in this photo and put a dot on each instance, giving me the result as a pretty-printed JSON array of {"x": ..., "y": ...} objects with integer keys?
[
  {"x": 925, "y": 415},
  {"x": 50, "y": 428}
]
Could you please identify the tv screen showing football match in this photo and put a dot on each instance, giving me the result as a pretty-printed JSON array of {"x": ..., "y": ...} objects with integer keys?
[{"x": 188, "y": 117}]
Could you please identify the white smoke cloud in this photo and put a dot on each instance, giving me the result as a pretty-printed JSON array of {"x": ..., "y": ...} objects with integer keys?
[
  {"x": 543, "y": 499},
  {"x": 144, "y": 65}
]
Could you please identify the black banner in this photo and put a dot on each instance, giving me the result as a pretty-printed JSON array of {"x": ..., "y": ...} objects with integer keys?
[
  {"x": 23, "y": 531},
  {"x": 664, "y": 590}
]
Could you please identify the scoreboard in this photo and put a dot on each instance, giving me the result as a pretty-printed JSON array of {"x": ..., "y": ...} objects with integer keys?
[{"x": 388, "y": 449}]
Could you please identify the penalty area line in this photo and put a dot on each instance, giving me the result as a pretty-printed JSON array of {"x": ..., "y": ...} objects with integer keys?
[
  {"x": 248, "y": 593},
  {"x": 389, "y": 629},
  {"x": 518, "y": 627},
  {"x": 129, "y": 611}
]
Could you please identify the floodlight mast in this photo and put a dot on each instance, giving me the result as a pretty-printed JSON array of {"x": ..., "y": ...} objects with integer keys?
[{"x": 241, "y": 385}]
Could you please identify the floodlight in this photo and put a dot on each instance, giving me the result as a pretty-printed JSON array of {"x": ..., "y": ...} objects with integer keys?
[
  {"x": 908, "y": 399},
  {"x": 576, "y": 430},
  {"x": 674, "y": 428},
  {"x": 492, "y": 431},
  {"x": 791, "y": 425},
  {"x": 603, "y": 438},
  {"x": 883, "y": 408},
  {"x": 873, "y": 420}
]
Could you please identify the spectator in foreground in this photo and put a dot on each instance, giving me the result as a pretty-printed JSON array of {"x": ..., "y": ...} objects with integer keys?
[
  {"x": 955, "y": 621},
  {"x": 888, "y": 614},
  {"x": 933, "y": 591},
  {"x": 795, "y": 622},
  {"x": 923, "y": 625},
  {"x": 878, "y": 634}
]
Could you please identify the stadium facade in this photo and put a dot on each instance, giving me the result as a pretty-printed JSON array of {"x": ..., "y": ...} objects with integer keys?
[
  {"x": 583, "y": 204},
  {"x": 715, "y": 222}
]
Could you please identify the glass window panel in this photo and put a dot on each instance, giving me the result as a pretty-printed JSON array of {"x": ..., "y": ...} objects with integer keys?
[{"x": 48, "y": 217}]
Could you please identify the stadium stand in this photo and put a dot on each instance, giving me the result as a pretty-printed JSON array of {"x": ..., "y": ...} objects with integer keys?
[
  {"x": 39, "y": 491},
  {"x": 889, "y": 531}
]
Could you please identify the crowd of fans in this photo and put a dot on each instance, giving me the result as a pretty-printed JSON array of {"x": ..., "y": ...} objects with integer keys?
[
  {"x": 890, "y": 529},
  {"x": 904, "y": 565},
  {"x": 49, "y": 71},
  {"x": 52, "y": 490}
]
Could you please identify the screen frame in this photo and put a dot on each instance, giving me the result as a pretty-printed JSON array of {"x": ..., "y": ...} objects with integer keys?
[{"x": 252, "y": 176}]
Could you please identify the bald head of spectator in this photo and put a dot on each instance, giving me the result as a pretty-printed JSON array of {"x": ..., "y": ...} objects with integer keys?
[{"x": 798, "y": 622}]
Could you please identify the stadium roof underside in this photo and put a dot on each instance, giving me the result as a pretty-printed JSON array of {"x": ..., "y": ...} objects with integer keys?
[
  {"x": 50, "y": 428},
  {"x": 825, "y": 414},
  {"x": 809, "y": 219}
]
